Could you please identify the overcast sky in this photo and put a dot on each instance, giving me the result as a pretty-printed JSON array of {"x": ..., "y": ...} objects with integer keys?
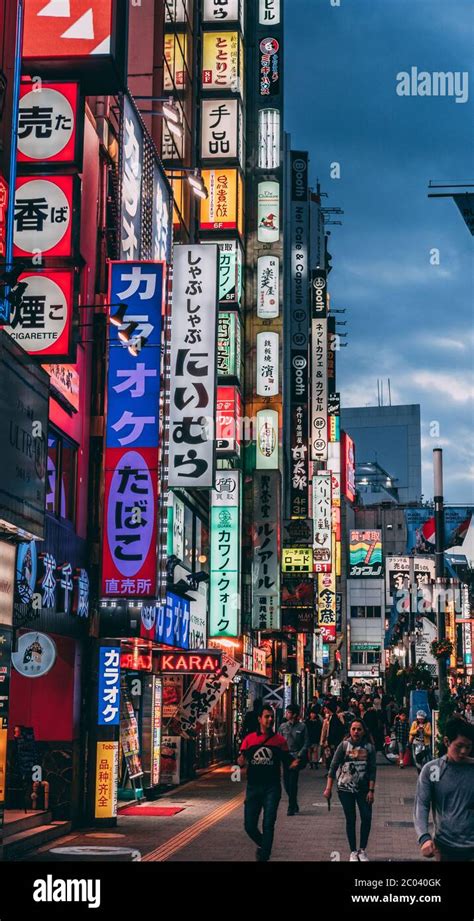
[{"x": 407, "y": 319}]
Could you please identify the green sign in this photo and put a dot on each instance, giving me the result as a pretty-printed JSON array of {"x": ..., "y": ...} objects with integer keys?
[
  {"x": 229, "y": 344},
  {"x": 224, "y": 575},
  {"x": 230, "y": 272}
]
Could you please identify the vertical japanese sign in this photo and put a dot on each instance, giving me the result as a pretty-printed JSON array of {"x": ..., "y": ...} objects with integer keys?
[
  {"x": 269, "y": 12},
  {"x": 327, "y": 605},
  {"x": 132, "y": 433},
  {"x": 225, "y": 556},
  {"x": 319, "y": 390},
  {"x": 222, "y": 58},
  {"x": 270, "y": 67},
  {"x": 221, "y": 129},
  {"x": 43, "y": 212},
  {"x": 131, "y": 175},
  {"x": 268, "y": 212},
  {"x": 266, "y": 551},
  {"x": 109, "y": 686},
  {"x": 221, "y": 10},
  {"x": 230, "y": 271},
  {"x": 322, "y": 521},
  {"x": 268, "y": 287},
  {"x": 348, "y": 469},
  {"x": 157, "y": 709},
  {"x": 193, "y": 366},
  {"x": 268, "y": 347},
  {"x": 204, "y": 693},
  {"x": 228, "y": 421},
  {"x": 48, "y": 130},
  {"x": 229, "y": 345},
  {"x": 106, "y": 780},
  {"x": 267, "y": 440}
]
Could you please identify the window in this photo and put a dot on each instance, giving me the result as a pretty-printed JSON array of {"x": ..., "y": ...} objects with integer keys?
[
  {"x": 365, "y": 656},
  {"x": 61, "y": 477},
  {"x": 366, "y": 611}
]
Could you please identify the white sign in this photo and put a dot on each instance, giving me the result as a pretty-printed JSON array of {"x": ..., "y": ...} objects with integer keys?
[
  {"x": 42, "y": 215},
  {"x": 267, "y": 440},
  {"x": 198, "y": 617},
  {"x": 334, "y": 465},
  {"x": 266, "y": 564},
  {"x": 193, "y": 366},
  {"x": 220, "y": 10},
  {"x": 220, "y": 129},
  {"x": 269, "y": 138},
  {"x": 35, "y": 656},
  {"x": 269, "y": 12},
  {"x": 45, "y": 320},
  {"x": 319, "y": 390},
  {"x": 230, "y": 271},
  {"x": 161, "y": 229},
  {"x": 50, "y": 114},
  {"x": 178, "y": 527},
  {"x": 268, "y": 345},
  {"x": 268, "y": 212},
  {"x": 175, "y": 10},
  {"x": 322, "y": 519},
  {"x": 268, "y": 287},
  {"x": 226, "y": 492},
  {"x": 132, "y": 145},
  {"x": 423, "y": 643}
]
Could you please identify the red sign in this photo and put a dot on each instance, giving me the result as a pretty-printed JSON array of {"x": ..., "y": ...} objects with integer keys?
[
  {"x": 228, "y": 421},
  {"x": 64, "y": 382},
  {"x": 48, "y": 123},
  {"x": 42, "y": 322},
  {"x": 129, "y": 544},
  {"x": 43, "y": 216},
  {"x": 136, "y": 661},
  {"x": 202, "y": 662},
  {"x": 67, "y": 28},
  {"x": 348, "y": 467},
  {"x": 328, "y": 632}
]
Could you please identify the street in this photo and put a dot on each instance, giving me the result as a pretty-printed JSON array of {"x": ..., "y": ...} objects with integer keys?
[{"x": 210, "y": 826}]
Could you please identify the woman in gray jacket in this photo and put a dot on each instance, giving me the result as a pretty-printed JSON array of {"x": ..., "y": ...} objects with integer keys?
[{"x": 354, "y": 766}]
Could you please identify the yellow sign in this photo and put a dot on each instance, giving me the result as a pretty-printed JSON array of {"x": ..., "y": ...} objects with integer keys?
[
  {"x": 221, "y": 210},
  {"x": 450, "y": 629},
  {"x": 240, "y": 205},
  {"x": 106, "y": 778},
  {"x": 297, "y": 559},
  {"x": 3, "y": 762},
  {"x": 222, "y": 61},
  {"x": 175, "y": 60}
]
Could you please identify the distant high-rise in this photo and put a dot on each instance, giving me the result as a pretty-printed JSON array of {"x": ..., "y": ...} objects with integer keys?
[{"x": 388, "y": 452}]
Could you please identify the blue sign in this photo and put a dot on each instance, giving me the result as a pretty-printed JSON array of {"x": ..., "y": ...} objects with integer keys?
[
  {"x": 133, "y": 390},
  {"x": 419, "y": 701},
  {"x": 109, "y": 686},
  {"x": 421, "y": 528},
  {"x": 26, "y": 569},
  {"x": 172, "y": 622}
]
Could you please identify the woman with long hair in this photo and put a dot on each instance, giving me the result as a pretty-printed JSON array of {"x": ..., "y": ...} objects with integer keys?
[{"x": 354, "y": 768}]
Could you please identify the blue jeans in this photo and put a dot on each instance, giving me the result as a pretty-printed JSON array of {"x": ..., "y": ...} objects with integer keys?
[{"x": 258, "y": 798}]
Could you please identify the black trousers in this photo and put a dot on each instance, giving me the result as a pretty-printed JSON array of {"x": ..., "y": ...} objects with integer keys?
[
  {"x": 258, "y": 798},
  {"x": 349, "y": 801},
  {"x": 290, "y": 780}
]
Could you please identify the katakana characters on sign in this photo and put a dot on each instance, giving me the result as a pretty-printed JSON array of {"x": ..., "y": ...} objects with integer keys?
[
  {"x": 319, "y": 390},
  {"x": 193, "y": 364},
  {"x": 322, "y": 521},
  {"x": 269, "y": 12},
  {"x": 265, "y": 570},
  {"x": 221, "y": 10},
  {"x": 109, "y": 686},
  {"x": 132, "y": 136}
]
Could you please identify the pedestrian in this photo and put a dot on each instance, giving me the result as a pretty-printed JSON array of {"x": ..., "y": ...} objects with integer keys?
[
  {"x": 402, "y": 729},
  {"x": 354, "y": 768},
  {"x": 420, "y": 739},
  {"x": 333, "y": 732},
  {"x": 263, "y": 752},
  {"x": 296, "y": 735},
  {"x": 391, "y": 710},
  {"x": 374, "y": 725},
  {"x": 469, "y": 710},
  {"x": 314, "y": 725},
  {"x": 446, "y": 785}
]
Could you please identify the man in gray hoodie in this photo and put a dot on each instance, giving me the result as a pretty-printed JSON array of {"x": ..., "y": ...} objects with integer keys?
[{"x": 446, "y": 785}]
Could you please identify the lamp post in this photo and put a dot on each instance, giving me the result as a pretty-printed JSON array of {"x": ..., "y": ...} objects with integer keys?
[{"x": 439, "y": 562}]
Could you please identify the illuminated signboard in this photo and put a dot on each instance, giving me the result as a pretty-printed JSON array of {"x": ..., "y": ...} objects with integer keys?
[
  {"x": 297, "y": 592},
  {"x": 221, "y": 129},
  {"x": 268, "y": 345},
  {"x": 175, "y": 48},
  {"x": 297, "y": 559},
  {"x": 319, "y": 294},
  {"x": 334, "y": 465},
  {"x": 176, "y": 10},
  {"x": 67, "y": 28},
  {"x": 43, "y": 215},
  {"x": 225, "y": 556},
  {"x": 203, "y": 662},
  {"x": 219, "y": 11},
  {"x": 136, "y": 661},
  {"x": 41, "y": 322},
  {"x": 270, "y": 67},
  {"x": 365, "y": 555},
  {"x": 3, "y": 220},
  {"x": 327, "y": 605},
  {"x": 322, "y": 521},
  {"x": 131, "y": 455},
  {"x": 229, "y": 344},
  {"x": 267, "y": 440},
  {"x": 269, "y": 12},
  {"x": 268, "y": 212},
  {"x": 269, "y": 138},
  {"x": 222, "y": 61},
  {"x": 161, "y": 217},
  {"x": 172, "y": 622},
  {"x": 131, "y": 191},
  {"x": 193, "y": 366},
  {"x": 230, "y": 271},
  {"x": 348, "y": 467},
  {"x": 157, "y": 711},
  {"x": 319, "y": 390},
  {"x": 48, "y": 124},
  {"x": 220, "y": 211},
  {"x": 106, "y": 780},
  {"x": 266, "y": 613},
  {"x": 268, "y": 287},
  {"x": 64, "y": 381},
  {"x": 109, "y": 686},
  {"x": 228, "y": 421}
]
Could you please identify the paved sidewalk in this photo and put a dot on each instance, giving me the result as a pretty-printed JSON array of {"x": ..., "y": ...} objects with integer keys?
[{"x": 210, "y": 827}]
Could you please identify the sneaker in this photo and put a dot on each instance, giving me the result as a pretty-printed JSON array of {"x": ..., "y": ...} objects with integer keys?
[
  {"x": 361, "y": 854},
  {"x": 354, "y": 856}
]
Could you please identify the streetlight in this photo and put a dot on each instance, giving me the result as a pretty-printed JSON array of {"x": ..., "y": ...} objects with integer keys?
[
  {"x": 169, "y": 111},
  {"x": 194, "y": 178}
]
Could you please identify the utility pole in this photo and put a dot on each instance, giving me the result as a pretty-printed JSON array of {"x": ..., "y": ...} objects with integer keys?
[{"x": 439, "y": 562}]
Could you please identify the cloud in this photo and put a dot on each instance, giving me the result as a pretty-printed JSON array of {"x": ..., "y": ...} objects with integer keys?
[{"x": 453, "y": 386}]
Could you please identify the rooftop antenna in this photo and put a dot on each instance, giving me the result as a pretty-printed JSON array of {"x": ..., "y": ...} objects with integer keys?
[
  {"x": 381, "y": 391},
  {"x": 378, "y": 392},
  {"x": 389, "y": 393}
]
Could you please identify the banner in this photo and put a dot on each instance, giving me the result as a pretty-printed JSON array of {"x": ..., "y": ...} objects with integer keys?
[
  {"x": 193, "y": 366},
  {"x": 421, "y": 528},
  {"x": 322, "y": 521},
  {"x": 225, "y": 556},
  {"x": 266, "y": 548},
  {"x": 319, "y": 390},
  {"x": 204, "y": 693}
]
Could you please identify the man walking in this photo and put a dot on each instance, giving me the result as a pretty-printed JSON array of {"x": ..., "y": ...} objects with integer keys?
[
  {"x": 264, "y": 752},
  {"x": 446, "y": 785},
  {"x": 296, "y": 734}
]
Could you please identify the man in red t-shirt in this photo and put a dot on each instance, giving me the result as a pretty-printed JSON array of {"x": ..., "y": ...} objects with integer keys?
[{"x": 263, "y": 752}]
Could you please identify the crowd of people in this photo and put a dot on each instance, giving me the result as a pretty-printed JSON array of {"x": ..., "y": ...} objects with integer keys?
[{"x": 341, "y": 735}]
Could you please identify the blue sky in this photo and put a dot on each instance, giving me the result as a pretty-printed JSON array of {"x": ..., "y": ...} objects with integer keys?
[{"x": 407, "y": 319}]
